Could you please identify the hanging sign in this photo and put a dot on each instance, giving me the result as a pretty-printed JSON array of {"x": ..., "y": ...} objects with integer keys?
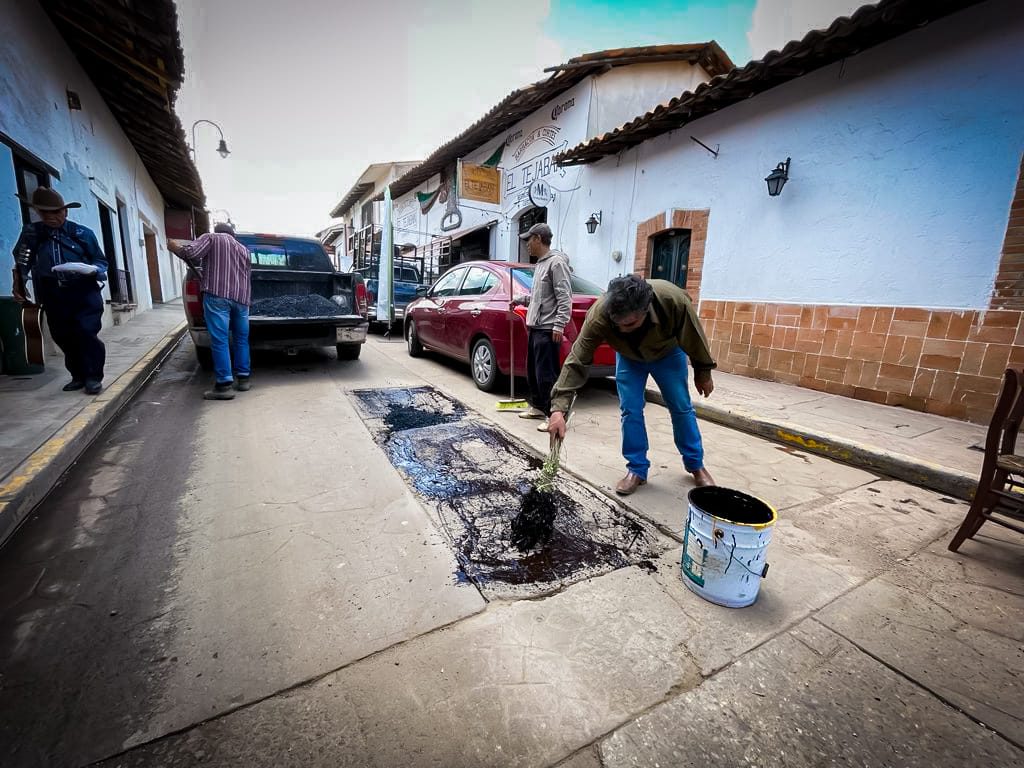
[
  {"x": 479, "y": 182},
  {"x": 540, "y": 193}
]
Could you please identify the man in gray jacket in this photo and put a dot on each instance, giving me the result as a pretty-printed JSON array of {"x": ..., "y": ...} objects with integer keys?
[{"x": 550, "y": 309}]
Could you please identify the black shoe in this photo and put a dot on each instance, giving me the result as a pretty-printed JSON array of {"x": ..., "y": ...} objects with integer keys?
[
  {"x": 74, "y": 385},
  {"x": 93, "y": 387},
  {"x": 242, "y": 384},
  {"x": 220, "y": 392}
]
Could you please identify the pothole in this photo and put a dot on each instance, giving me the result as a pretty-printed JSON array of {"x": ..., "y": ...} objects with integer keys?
[{"x": 474, "y": 478}]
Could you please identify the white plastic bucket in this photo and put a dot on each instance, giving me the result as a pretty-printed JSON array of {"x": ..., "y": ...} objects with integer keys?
[{"x": 725, "y": 545}]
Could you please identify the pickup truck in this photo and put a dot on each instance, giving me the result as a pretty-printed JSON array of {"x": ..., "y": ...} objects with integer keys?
[
  {"x": 407, "y": 280},
  {"x": 289, "y": 266}
]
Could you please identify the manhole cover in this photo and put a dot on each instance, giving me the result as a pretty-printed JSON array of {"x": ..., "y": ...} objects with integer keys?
[{"x": 474, "y": 477}]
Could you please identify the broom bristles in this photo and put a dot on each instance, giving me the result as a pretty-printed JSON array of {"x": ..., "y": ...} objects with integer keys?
[{"x": 511, "y": 405}]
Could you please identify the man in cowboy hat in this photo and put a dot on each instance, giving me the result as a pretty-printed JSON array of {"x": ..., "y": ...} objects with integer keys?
[{"x": 72, "y": 302}]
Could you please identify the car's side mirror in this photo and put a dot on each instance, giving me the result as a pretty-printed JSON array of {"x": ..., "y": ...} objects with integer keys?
[{"x": 422, "y": 291}]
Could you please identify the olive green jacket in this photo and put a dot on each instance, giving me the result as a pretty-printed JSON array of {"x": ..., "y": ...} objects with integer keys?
[{"x": 674, "y": 324}]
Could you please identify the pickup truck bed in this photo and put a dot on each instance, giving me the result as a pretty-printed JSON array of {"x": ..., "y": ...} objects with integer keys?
[{"x": 345, "y": 329}]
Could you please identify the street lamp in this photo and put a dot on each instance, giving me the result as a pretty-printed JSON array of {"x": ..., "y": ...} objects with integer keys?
[
  {"x": 777, "y": 179},
  {"x": 222, "y": 147},
  {"x": 592, "y": 222}
]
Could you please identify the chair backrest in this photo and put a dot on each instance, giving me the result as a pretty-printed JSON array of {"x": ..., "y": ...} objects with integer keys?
[{"x": 1008, "y": 414}]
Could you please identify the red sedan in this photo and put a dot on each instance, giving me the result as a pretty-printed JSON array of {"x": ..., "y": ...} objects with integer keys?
[{"x": 465, "y": 315}]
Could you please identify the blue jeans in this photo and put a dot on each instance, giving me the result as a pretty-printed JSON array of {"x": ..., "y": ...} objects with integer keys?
[
  {"x": 227, "y": 319},
  {"x": 670, "y": 375}
]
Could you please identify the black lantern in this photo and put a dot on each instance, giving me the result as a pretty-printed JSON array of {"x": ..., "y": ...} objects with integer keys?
[
  {"x": 222, "y": 149},
  {"x": 592, "y": 222},
  {"x": 777, "y": 178}
]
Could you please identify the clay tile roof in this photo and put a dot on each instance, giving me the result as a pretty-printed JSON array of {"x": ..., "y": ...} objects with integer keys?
[
  {"x": 523, "y": 101},
  {"x": 132, "y": 53}
]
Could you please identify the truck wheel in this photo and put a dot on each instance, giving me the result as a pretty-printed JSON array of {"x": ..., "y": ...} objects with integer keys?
[
  {"x": 205, "y": 357},
  {"x": 484, "y": 366},
  {"x": 413, "y": 341},
  {"x": 349, "y": 351}
]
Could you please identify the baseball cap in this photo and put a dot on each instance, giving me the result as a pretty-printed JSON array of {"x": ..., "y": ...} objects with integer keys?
[{"x": 543, "y": 230}]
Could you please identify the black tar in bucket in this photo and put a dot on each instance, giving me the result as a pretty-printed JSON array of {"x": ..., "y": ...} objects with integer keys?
[
  {"x": 473, "y": 479},
  {"x": 734, "y": 506}
]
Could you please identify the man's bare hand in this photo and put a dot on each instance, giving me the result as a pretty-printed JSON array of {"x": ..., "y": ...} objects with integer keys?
[
  {"x": 556, "y": 336},
  {"x": 175, "y": 246},
  {"x": 702, "y": 381},
  {"x": 556, "y": 424}
]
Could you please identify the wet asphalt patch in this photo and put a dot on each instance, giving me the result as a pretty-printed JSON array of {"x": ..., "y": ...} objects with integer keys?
[{"x": 475, "y": 478}]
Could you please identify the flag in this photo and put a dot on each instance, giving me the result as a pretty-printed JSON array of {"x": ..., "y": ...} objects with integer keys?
[
  {"x": 385, "y": 283},
  {"x": 494, "y": 159}
]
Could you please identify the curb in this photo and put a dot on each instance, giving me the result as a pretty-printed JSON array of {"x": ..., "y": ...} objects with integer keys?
[
  {"x": 951, "y": 482},
  {"x": 30, "y": 482}
]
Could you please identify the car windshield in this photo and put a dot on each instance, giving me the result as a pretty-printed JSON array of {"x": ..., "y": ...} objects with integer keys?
[
  {"x": 286, "y": 253},
  {"x": 580, "y": 287}
]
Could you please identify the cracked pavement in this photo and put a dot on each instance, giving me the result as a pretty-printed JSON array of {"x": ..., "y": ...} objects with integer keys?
[{"x": 253, "y": 583}]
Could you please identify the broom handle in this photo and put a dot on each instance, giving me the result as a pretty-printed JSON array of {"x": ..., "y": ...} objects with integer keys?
[{"x": 511, "y": 351}]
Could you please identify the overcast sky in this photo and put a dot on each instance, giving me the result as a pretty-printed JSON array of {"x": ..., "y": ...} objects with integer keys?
[{"x": 310, "y": 92}]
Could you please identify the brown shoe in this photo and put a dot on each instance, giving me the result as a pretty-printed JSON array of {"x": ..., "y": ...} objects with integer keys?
[
  {"x": 702, "y": 478},
  {"x": 628, "y": 484}
]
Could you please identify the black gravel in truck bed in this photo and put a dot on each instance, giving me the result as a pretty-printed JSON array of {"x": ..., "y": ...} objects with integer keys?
[{"x": 296, "y": 306}]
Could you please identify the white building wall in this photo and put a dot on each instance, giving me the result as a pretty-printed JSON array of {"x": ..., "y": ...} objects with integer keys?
[
  {"x": 530, "y": 146},
  {"x": 592, "y": 106},
  {"x": 95, "y": 159},
  {"x": 904, "y": 161},
  {"x": 625, "y": 92}
]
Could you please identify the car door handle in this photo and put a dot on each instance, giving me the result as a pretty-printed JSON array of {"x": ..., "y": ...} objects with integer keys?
[{"x": 475, "y": 312}]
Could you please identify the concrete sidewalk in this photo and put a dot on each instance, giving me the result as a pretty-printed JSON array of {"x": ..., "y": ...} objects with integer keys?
[
  {"x": 926, "y": 450},
  {"x": 46, "y": 429}
]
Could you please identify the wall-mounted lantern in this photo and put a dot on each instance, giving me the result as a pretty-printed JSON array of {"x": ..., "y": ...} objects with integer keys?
[
  {"x": 592, "y": 222},
  {"x": 777, "y": 178}
]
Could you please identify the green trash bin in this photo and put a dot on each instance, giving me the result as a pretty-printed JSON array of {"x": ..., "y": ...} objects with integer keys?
[{"x": 12, "y": 340}]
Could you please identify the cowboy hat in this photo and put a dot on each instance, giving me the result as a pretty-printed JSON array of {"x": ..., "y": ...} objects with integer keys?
[{"x": 46, "y": 199}]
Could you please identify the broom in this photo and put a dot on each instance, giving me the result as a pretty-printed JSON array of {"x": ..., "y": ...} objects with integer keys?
[
  {"x": 535, "y": 521},
  {"x": 511, "y": 405}
]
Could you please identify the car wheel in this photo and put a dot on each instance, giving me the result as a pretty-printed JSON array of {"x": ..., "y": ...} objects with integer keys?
[
  {"x": 205, "y": 357},
  {"x": 413, "y": 341},
  {"x": 349, "y": 351},
  {"x": 484, "y": 366}
]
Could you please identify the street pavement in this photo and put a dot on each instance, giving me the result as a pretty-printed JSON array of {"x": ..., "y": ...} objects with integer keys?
[{"x": 253, "y": 583}]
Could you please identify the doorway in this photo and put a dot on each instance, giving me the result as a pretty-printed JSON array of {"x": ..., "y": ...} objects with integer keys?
[
  {"x": 671, "y": 256},
  {"x": 472, "y": 246},
  {"x": 527, "y": 220},
  {"x": 124, "y": 279},
  {"x": 153, "y": 266},
  {"x": 118, "y": 293}
]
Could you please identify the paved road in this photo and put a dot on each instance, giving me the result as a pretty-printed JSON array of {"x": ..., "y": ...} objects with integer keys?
[
  {"x": 205, "y": 555},
  {"x": 253, "y": 583}
]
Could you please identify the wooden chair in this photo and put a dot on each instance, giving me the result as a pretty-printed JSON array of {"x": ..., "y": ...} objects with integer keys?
[{"x": 1000, "y": 494}]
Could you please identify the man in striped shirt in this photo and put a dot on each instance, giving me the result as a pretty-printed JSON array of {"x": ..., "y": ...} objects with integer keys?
[{"x": 225, "y": 267}]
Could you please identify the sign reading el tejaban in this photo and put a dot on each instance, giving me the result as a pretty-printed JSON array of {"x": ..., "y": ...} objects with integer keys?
[{"x": 479, "y": 182}]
